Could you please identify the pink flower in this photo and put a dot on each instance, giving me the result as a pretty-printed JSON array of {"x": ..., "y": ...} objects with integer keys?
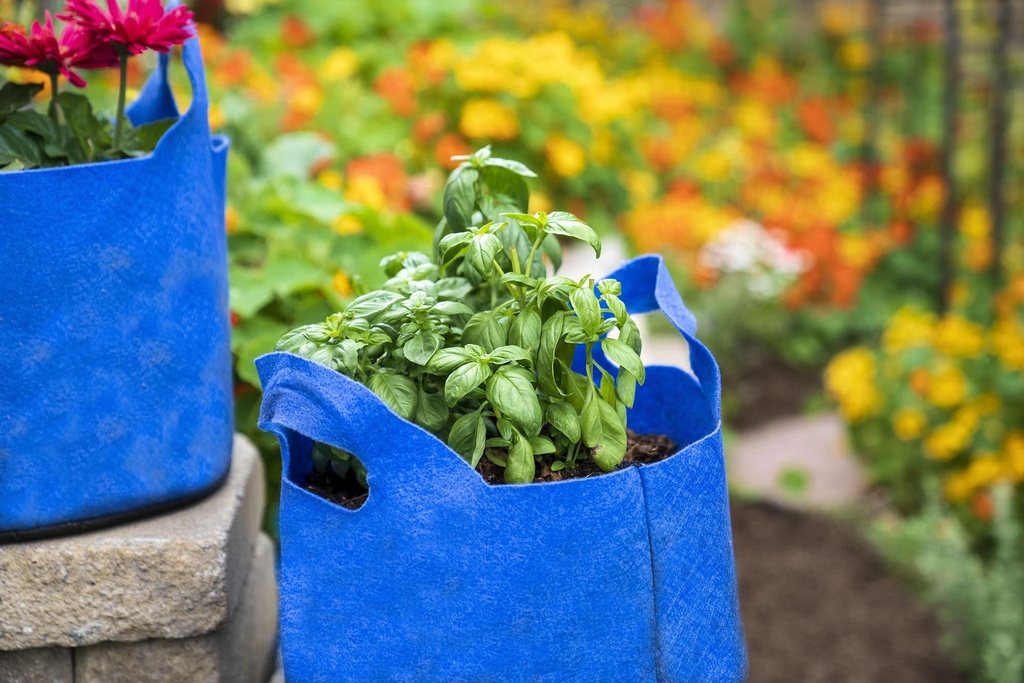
[
  {"x": 41, "y": 50},
  {"x": 143, "y": 26}
]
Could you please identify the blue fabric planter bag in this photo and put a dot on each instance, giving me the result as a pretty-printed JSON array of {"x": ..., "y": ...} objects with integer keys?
[
  {"x": 440, "y": 577},
  {"x": 115, "y": 361}
]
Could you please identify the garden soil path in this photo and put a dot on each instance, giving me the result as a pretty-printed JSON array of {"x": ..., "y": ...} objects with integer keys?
[{"x": 819, "y": 606}]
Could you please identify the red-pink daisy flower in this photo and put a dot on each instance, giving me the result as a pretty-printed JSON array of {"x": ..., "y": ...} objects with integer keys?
[
  {"x": 41, "y": 50},
  {"x": 143, "y": 26}
]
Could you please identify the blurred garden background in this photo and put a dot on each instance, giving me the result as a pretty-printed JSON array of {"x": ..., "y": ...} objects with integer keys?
[{"x": 838, "y": 187}]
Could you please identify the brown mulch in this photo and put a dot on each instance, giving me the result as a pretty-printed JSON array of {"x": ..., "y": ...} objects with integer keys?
[{"x": 819, "y": 606}]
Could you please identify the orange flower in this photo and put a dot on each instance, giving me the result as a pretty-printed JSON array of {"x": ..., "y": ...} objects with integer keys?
[
  {"x": 396, "y": 85},
  {"x": 295, "y": 33},
  {"x": 450, "y": 145},
  {"x": 428, "y": 126},
  {"x": 816, "y": 120},
  {"x": 387, "y": 171}
]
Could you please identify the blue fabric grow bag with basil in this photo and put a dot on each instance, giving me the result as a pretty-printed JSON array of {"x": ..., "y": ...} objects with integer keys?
[
  {"x": 440, "y": 577},
  {"x": 115, "y": 361}
]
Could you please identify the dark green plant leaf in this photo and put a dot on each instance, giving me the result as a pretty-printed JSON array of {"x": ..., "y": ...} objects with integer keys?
[
  {"x": 512, "y": 392},
  {"x": 14, "y": 96},
  {"x": 421, "y": 346},
  {"x": 509, "y": 354},
  {"x": 562, "y": 223},
  {"x": 521, "y": 465},
  {"x": 485, "y": 330},
  {"x": 468, "y": 435},
  {"x": 446, "y": 360},
  {"x": 482, "y": 250},
  {"x": 431, "y": 411},
  {"x": 625, "y": 357},
  {"x": 525, "y": 330},
  {"x": 16, "y": 144},
  {"x": 504, "y": 190},
  {"x": 547, "y": 355},
  {"x": 465, "y": 379},
  {"x": 460, "y": 198},
  {"x": 513, "y": 166},
  {"x": 397, "y": 391},
  {"x": 587, "y": 308},
  {"x": 563, "y": 417}
]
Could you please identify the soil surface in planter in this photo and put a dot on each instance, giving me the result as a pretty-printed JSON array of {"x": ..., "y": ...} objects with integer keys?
[
  {"x": 820, "y": 607},
  {"x": 641, "y": 449}
]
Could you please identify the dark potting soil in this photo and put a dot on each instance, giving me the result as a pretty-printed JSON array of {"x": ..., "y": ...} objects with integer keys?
[
  {"x": 819, "y": 606},
  {"x": 641, "y": 449}
]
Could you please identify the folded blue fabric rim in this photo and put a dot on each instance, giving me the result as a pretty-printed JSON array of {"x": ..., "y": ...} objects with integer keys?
[{"x": 96, "y": 523}]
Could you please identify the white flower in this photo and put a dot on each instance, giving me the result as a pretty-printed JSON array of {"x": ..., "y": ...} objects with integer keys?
[{"x": 745, "y": 248}]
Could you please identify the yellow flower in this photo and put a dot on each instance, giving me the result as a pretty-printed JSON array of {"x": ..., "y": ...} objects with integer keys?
[
  {"x": 907, "y": 329},
  {"x": 642, "y": 185},
  {"x": 957, "y": 487},
  {"x": 946, "y": 441},
  {"x": 855, "y": 250},
  {"x": 1013, "y": 456},
  {"x": 975, "y": 222},
  {"x": 755, "y": 119},
  {"x": 366, "y": 190},
  {"x": 340, "y": 64},
  {"x": 809, "y": 160},
  {"x": 568, "y": 158},
  {"x": 1008, "y": 344},
  {"x": 850, "y": 379},
  {"x": 948, "y": 387},
  {"x": 539, "y": 201},
  {"x": 231, "y": 220},
  {"x": 331, "y": 179},
  {"x": 984, "y": 470},
  {"x": 346, "y": 225},
  {"x": 957, "y": 336},
  {"x": 307, "y": 100},
  {"x": 342, "y": 284},
  {"x": 909, "y": 423},
  {"x": 487, "y": 119},
  {"x": 217, "y": 117},
  {"x": 714, "y": 165},
  {"x": 855, "y": 54}
]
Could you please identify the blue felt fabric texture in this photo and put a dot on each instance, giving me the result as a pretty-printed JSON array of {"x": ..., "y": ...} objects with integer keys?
[
  {"x": 439, "y": 577},
  {"x": 115, "y": 361}
]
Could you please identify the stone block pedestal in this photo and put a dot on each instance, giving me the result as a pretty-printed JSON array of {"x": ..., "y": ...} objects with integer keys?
[{"x": 186, "y": 596}]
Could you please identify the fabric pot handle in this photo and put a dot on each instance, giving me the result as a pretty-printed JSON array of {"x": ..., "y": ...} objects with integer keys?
[{"x": 647, "y": 287}]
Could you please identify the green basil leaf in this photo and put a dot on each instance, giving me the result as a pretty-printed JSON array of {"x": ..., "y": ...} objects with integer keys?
[
  {"x": 587, "y": 308},
  {"x": 432, "y": 411},
  {"x": 483, "y": 249},
  {"x": 467, "y": 436},
  {"x": 525, "y": 330},
  {"x": 558, "y": 466},
  {"x": 547, "y": 355},
  {"x": 625, "y": 387},
  {"x": 521, "y": 465},
  {"x": 453, "y": 288},
  {"x": 465, "y": 379},
  {"x": 451, "y": 308},
  {"x": 511, "y": 165},
  {"x": 422, "y": 346},
  {"x": 509, "y": 354},
  {"x": 562, "y": 223},
  {"x": 512, "y": 391},
  {"x": 542, "y": 445},
  {"x": 503, "y": 189},
  {"x": 590, "y": 420},
  {"x": 460, "y": 197},
  {"x": 612, "y": 446},
  {"x": 486, "y": 330},
  {"x": 452, "y": 245},
  {"x": 625, "y": 357},
  {"x": 446, "y": 360},
  {"x": 397, "y": 391},
  {"x": 563, "y": 417},
  {"x": 372, "y": 303}
]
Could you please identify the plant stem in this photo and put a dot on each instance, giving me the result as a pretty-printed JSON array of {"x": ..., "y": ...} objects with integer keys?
[
  {"x": 121, "y": 94},
  {"x": 533, "y": 250},
  {"x": 55, "y": 109}
]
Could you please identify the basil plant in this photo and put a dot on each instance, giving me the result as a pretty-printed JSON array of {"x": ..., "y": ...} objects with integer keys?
[{"x": 476, "y": 343}]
